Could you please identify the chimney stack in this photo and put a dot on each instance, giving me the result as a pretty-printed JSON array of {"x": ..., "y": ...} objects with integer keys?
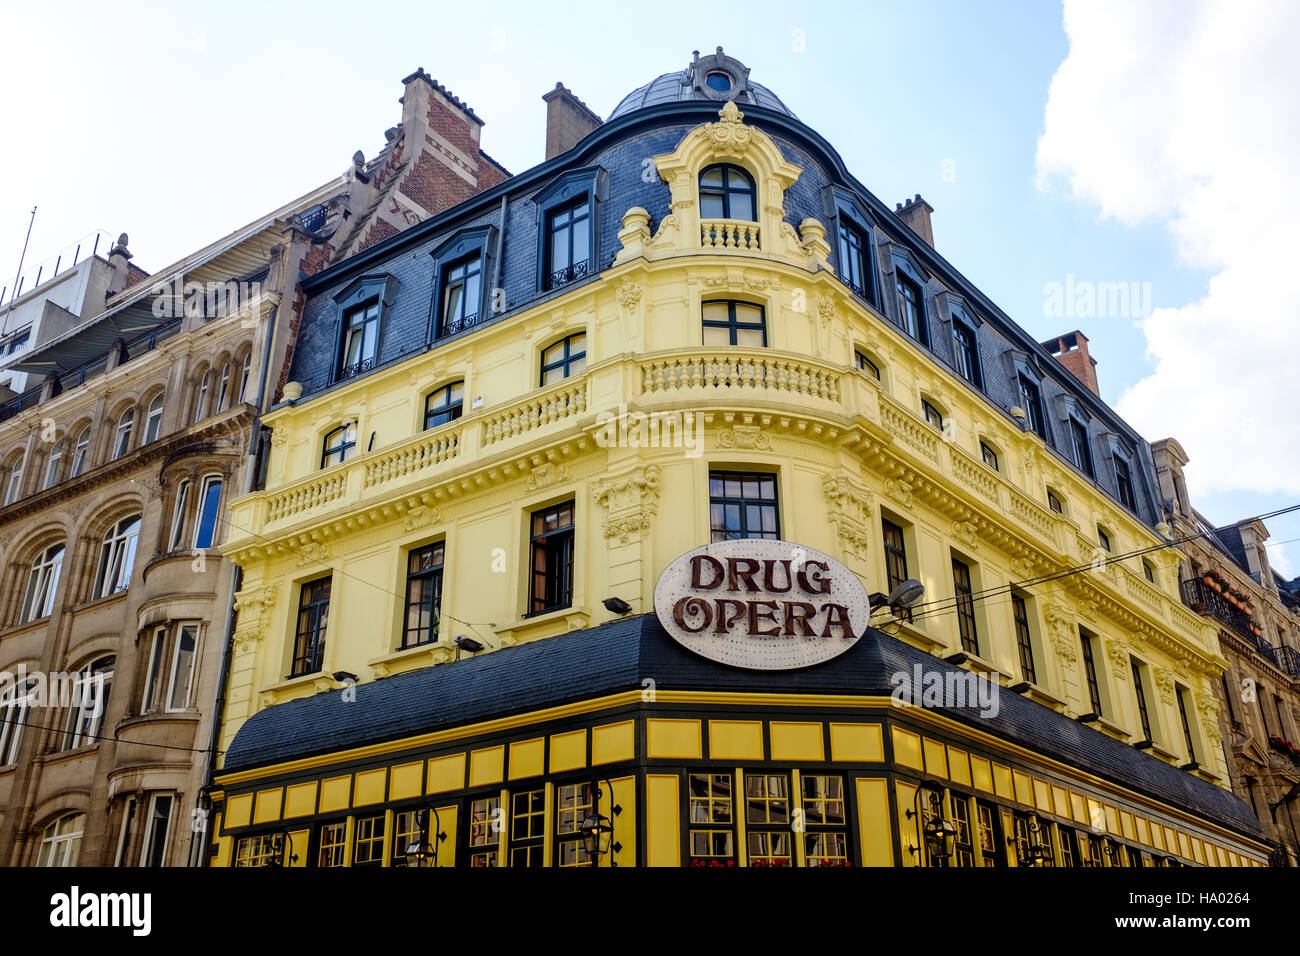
[
  {"x": 119, "y": 259},
  {"x": 1071, "y": 350},
  {"x": 567, "y": 120},
  {"x": 916, "y": 213}
]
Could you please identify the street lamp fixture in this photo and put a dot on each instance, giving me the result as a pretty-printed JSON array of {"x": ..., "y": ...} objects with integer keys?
[
  {"x": 598, "y": 830},
  {"x": 423, "y": 850}
]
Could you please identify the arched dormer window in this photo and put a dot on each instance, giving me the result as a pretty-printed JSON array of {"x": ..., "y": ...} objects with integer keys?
[
  {"x": 727, "y": 192},
  {"x": 444, "y": 405}
]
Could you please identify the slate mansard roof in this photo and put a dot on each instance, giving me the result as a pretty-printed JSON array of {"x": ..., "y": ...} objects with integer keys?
[{"x": 618, "y": 656}]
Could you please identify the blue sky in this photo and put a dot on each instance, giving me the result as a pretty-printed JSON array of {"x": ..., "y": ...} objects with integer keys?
[{"x": 178, "y": 127}]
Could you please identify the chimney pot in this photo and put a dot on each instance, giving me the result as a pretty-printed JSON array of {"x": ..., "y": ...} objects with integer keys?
[
  {"x": 1071, "y": 350},
  {"x": 568, "y": 120},
  {"x": 916, "y": 213}
]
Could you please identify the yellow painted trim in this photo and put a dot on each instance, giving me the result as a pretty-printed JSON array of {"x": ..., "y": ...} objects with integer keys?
[
  {"x": 800, "y": 853},
  {"x": 738, "y": 814}
]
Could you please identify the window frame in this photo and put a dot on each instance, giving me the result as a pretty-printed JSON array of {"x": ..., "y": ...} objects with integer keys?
[
  {"x": 1024, "y": 637},
  {"x": 963, "y": 593},
  {"x": 1139, "y": 693},
  {"x": 554, "y": 277},
  {"x": 458, "y": 251},
  {"x": 82, "y": 728},
  {"x": 907, "y": 276},
  {"x": 1124, "y": 489},
  {"x": 725, "y": 192},
  {"x": 361, "y": 325},
  {"x": 986, "y": 452},
  {"x": 863, "y": 363},
  {"x": 153, "y": 668},
  {"x": 13, "y": 718},
  {"x": 52, "y": 462},
  {"x": 966, "y": 352},
  {"x": 733, "y": 324},
  {"x": 151, "y": 822},
  {"x": 453, "y": 410},
  {"x": 566, "y": 363},
  {"x": 80, "y": 452},
  {"x": 153, "y": 418},
  {"x": 588, "y": 184},
  {"x": 200, "y": 506},
  {"x": 118, "y": 547},
  {"x": 375, "y": 289},
  {"x": 43, "y": 577},
  {"x": 179, "y": 506},
  {"x": 1092, "y": 680},
  {"x": 854, "y": 248},
  {"x": 435, "y": 575},
  {"x": 169, "y": 702},
  {"x": 54, "y": 840},
  {"x": 1081, "y": 448},
  {"x": 928, "y": 407},
  {"x": 564, "y": 553},
  {"x": 122, "y": 435},
  {"x": 345, "y": 449},
  {"x": 308, "y": 646},
  {"x": 723, "y": 500},
  {"x": 14, "y": 486}
]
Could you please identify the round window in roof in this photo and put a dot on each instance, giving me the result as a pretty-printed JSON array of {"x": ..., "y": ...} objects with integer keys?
[{"x": 718, "y": 80}]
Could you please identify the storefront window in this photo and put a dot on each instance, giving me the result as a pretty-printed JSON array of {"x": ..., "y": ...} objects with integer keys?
[{"x": 712, "y": 833}]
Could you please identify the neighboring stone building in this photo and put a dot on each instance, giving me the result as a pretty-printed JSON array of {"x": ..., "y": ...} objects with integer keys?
[
  {"x": 689, "y": 326},
  {"x": 117, "y": 466},
  {"x": 1225, "y": 575}
]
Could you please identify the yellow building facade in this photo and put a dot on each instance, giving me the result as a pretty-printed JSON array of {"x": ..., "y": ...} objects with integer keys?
[{"x": 714, "y": 351}]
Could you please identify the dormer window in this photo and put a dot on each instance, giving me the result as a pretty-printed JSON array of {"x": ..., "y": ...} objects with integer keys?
[
  {"x": 1124, "y": 483},
  {"x": 911, "y": 306},
  {"x": 461, "y": 294},
  {"x": 726, "y": 192},
  {"x": 855, "y": 260},
  {"x": 568, "y": 251},
  {"x": 360, "y": 338},
  {"x": 719, "y": 81},
  {"x": 1080, "y": 448}
]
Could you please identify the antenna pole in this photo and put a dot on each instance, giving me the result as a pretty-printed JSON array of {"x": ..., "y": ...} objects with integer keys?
[{"x": 20, "y": 271}]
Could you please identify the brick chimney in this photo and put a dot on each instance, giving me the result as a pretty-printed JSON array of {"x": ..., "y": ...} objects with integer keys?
[
  {"x": 916, "y": 213},
  {"x": 567, "y": 120},
  {"x": 1071, "y": 350}
]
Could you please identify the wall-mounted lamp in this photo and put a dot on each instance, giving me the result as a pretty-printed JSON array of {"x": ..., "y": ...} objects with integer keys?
[
  {"x": 598, "y": 830},
  {"x": 899, "y": 600},
  {"x": 938, "y": 834},
  {"x": 1020, "y": 688},
  {"x": 282, "y": 854},
  {"x": 423, "y": 851},
  {"x": 1037, "y": 853},
  {"x": 616, "y": 605}
]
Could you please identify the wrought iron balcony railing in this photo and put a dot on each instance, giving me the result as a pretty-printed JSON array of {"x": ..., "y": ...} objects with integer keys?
[
  {"x": 568, "y": 274},
  {"x": 356, "y": 368},
  {"x": 460, "y": 324},
  {"x": 1205, "y": 600}
]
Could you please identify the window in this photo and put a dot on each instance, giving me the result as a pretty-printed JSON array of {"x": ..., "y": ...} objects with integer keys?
[
  {"x": 338, "y": 445},
  {"x": 244, "y": 376},
  {"x": 124, "y": 831},
  {"x": 42, "y": 583},
  {"x": 223, "y": 389},
  {"x": 15, "y": 699},
  {"x": 970, "y": 641},
  {"x": 1082, "y": 451},
  {"x": 932, "y": 414},
  {"x": 1024, "y": 638},
  {"x": 178, "y": 515},
  {"x": 484, "y": 841},
  {"x": 767, "y": 819},
  {"x": 89, "y": 702},
  {"x": 855, "y": 260},
  {"x": 965, "y": 353},
  {"x": 331, "y": 846},
  {"x": 122, "y": 441},
  {"x": 911, "y": 307},
  {"x": 180, "y": 685},
  {"x": 711, "y": 835},
  {"x": 1181, "y": 693},
  {"x": 1054, "y": 502},
  {"x": 989, "y": 827},
  {"x": 256, "y": 851},
  {"x": 527, "y": 827},
  {"x": 52, "y": 465},
  {"x": 568, "y": 249},
  {"x": 895, "y": 555},
  {"x": 552, "y": 559},
  {"x": 117, "y": 557},
  {"x": 423, "y": 595},
  {"x": 61, "y": 844},
  {"x": 963, "y": 840},
  {"x": 156, "y": 827},
  {"x": 1140, "y": 690},
  {"x": 313, "y": 621},
  {"x": 742, "y": 506},
  {"x": 726, "y": 192},
  {"x": 825, "y": 840},
  {"x": 868, "y": 366},
  {"x": 1124, "y": 483},
  {"x": 15, "y": 487},
  {"x": 1090, "y": 672},
  {"x": 989, "y": 455},
  {"x": 154, "y": 674},
  {"x": 1148, "y": 570},
  {"x": 462, "y": 294},
  {"x": 360, "y": 339},
  {"x": 444, "y": 405},
  {"x": 564, "y": 359},
  {"x": 572, "y": 805},
  {"x": 1031, "y": 401},
  {"x": 718, "y": 80},
  {"x": 153, "y": 418},
  {"x": 406, "y": 830},
  {"x": 734, "y": 323},
  {"x": 1103, "y": 538},
  {"x": 201, "y": 400},
  {"x": 205, "y": 527},
  {"x": 368, "y": 848},
  {"x": 79, "y": 452}
]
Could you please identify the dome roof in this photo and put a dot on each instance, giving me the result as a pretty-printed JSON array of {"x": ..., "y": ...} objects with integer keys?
[{"x": 716, "y": 78}]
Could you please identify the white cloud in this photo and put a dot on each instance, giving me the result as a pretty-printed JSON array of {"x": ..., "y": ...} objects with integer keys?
[{"x": 1188, "y": 113}]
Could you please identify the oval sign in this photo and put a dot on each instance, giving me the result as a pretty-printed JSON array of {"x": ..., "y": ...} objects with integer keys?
[{"x": 761, "y": 604}]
